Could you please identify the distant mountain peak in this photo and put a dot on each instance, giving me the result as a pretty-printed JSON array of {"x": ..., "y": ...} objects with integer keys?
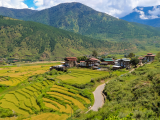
[{"x": 145, "y": 15}]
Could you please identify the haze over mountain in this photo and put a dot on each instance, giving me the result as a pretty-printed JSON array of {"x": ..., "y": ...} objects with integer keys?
[{"x": 145, "y": 15}]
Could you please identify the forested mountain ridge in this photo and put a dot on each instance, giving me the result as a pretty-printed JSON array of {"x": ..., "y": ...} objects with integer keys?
[
  {"x": 16, "y": 13},
  {"x": 30, "y": 40},
  {"x": 78, "y": 18}
]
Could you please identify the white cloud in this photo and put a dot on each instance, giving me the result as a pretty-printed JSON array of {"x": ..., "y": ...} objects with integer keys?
[
  {"x": 117, "y": 8},
  {"x": 152, "y": 14},
  {"x": 142, "y": 15},
  {"x": 155, "y": 12},
  {"x": 18, "y": 4}
]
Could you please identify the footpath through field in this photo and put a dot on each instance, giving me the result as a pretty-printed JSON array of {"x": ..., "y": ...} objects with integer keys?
[{"x": 98, "y": 96}]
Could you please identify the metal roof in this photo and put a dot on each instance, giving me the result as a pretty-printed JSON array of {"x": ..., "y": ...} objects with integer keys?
[{"x": 108, "y": 59}]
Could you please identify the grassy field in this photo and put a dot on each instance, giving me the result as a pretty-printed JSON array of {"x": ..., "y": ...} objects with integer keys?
[
  {"x": 48, "y": 116},
  {"x": 13, "y": 75},
  {"x": 83, "y": 76},
  {"x": 133, "y": 96},
  {"x": 35, "y": 92}
]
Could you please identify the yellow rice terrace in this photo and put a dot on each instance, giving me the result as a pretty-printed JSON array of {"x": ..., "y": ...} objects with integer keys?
[{"x": 33, "y": 92}]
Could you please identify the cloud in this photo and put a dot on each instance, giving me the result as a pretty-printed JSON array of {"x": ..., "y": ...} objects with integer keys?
[
  {"x": 18, "y": 4},
  {"x": 152, "y": 14},
  {"x": 142, "y": 15},
  {"x": 117, "y": 8},
  {"x": 155, "y": 13}
]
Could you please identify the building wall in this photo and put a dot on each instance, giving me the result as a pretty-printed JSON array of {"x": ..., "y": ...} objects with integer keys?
[
  {"x": 70, "y": 63},
  {"x": 90, "y": 64},
  {"x": 82, "y": 63},
  {"x": 149, "y": 58},
  {"x": 109, "y": 62},
  {"x": 124, "y": 64}
]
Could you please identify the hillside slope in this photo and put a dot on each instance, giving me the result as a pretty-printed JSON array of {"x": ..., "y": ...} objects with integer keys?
[
  {"x": 16, "y": 13},
  {"x": 78, "y": 18},
  {"x": 30, "y": 40},
  {"x": 82, "y": 19}
]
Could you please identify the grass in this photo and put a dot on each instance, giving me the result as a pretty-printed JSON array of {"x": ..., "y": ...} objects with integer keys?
[
  {"x": 135, "y": 95},
  {"x": 49, "y": 105},
  {"x": 83, "y": 76},
  {"x": 23, "y": 99},
  {"x": 49, "y": 116},
  {"x": 9, "y": 105},
  {"x": 11, "y": 98},
  {"x": 34, "y": 96},
  {"x": 24, "y": 107},
  {"x": 61, "y": 107},
  {"x": 76, "y": 102},
  {"x": 70, "y": 94},
  {"x": 61, "y": 98},
  {"x": 34, "y": 103},
  {"x": 59, "y": 87},
  {"x": 19, "y": 74}
]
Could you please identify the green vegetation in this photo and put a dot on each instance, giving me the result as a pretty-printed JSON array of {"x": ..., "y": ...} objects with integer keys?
[
  {"x": 44, "y": 93},
  {"x": 94, "y": 53},
  {"x": 131, "y": 96},
  {"x": 32, "y": 41},
  {"x": 134, "y": 61},
  {"x": 78, "y": 18},
  {"x": 84, "y": 76}
]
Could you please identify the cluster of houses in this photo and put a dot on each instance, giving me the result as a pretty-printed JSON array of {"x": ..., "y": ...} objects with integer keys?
[
  {"x": 148, "y": 58},
  {"x": 96, "y": 63}
]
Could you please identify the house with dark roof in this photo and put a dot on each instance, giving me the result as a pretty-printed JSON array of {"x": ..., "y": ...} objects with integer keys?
[
  {"x": 91, "y": 62},
  {"x": 124, "y": 62},
  {"x": 109, "y": 61},
  {"x": 149, "y": 57},
  {"x": 70, "y": 61}
]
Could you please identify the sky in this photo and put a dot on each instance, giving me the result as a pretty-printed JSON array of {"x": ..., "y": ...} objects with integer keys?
[{"x": 116, "y": 8}]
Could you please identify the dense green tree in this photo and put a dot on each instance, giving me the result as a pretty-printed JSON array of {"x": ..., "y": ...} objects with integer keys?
[
  {"x": 25, "y": 40},
  {"x": 94, "y": 53},
  {"x": 131, "y": 55},
  {"x": 134, "y": 61},
  {"x": 83, "y": 58},
  {"x": 158, "y": 56}
]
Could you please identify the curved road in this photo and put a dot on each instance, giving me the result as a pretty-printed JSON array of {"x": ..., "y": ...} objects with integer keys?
[{"x": 99, "y": 98}]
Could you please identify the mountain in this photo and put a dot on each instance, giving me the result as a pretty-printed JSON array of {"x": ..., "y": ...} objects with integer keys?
[
  {"x": 145, "y": 15},
  {"x": 34, "y": 41},
  {"x": 78, "y": 18},
  {"x": 16, "y": 13}
]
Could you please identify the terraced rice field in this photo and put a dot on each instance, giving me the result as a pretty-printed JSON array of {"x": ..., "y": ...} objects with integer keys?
[
  {"x": 81, "y": 76},
  {"x": 19, "y": 74},
  {"x": 63, "y": 94},
  {"x": 49, "y": 116},
  {"x": 23, "y": 101}
]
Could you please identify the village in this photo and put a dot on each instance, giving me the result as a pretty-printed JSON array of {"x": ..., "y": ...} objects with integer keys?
[{"x": 104, "y": 63}]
